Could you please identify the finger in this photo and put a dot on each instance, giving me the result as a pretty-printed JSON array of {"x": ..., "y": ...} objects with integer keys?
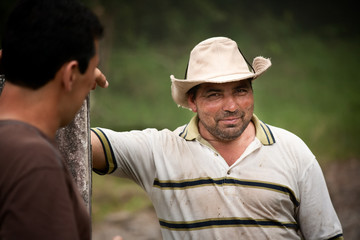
[{"x": 100, "y": 79}]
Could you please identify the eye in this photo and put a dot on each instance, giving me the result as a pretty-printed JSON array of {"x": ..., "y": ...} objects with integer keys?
[
  {"x": 213, "y": 95},
  {"x": 241, "y": 91}
]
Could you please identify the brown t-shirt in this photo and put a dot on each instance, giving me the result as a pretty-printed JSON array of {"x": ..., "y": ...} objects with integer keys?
[{"x": 38, "y": 197}]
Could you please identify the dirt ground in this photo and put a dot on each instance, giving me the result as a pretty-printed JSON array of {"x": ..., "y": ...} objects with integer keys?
[{"x": 343, "y": 179}]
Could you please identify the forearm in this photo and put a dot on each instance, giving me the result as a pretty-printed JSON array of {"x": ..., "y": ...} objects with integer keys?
[{"x": 98, "y": 155}]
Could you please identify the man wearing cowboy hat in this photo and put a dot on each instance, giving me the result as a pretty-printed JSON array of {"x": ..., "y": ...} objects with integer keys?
[{"x": 226, "y": 174}]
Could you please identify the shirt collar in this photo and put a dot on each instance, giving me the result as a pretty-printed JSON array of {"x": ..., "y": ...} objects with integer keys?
[{"x": 263, "y": 132}]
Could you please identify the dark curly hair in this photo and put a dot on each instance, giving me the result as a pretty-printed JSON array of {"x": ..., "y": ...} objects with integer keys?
[{"x": 42, "y": 35}]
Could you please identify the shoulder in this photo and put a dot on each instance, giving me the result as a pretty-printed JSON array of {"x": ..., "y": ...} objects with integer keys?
[
  {"x": 285, "y": 137},
  {"x": 148, "y": 134},
  {"x": 283, "y": 134},
  {"x": 22, "y": 144},
  {"x": 179, "y": 130},
  {"x": 28, "y": 161},
  {"x": 292, "y": 146}
]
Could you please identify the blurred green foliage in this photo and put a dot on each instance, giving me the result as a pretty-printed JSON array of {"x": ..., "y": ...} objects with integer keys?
[{"x": 311, "y": 89}]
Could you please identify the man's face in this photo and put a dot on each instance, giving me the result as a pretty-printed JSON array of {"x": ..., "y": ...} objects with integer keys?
[
  {"x": 81, "y": 87},
  {"x": 88, "y": 78},
  {"x": 224, "y": 110}
]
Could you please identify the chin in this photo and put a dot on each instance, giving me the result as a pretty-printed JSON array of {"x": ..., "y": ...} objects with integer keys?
[
  {"x": 68, "y": 120},
  {"x": 65, "y": 123}
]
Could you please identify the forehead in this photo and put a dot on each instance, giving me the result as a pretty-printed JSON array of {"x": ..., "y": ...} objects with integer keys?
[{"x": 228, "y": 85}]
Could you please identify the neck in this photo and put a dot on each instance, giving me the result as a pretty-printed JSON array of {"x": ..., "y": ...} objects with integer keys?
[
  {"x": 232, "y": 150},
  {"x": 31, "y": 106}
]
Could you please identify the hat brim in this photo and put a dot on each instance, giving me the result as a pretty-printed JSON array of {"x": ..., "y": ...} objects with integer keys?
[{"x": 180, "y": 87}]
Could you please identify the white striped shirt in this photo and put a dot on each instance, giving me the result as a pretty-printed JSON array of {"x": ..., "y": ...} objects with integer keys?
[{"x": 275, "y": 190}]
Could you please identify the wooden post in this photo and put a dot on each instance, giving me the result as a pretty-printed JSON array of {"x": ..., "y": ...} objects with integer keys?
[{"x": 74, "y": 144}]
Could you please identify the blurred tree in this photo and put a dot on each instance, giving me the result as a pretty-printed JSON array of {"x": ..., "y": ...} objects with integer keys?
[{"x": 164, "y": 20}]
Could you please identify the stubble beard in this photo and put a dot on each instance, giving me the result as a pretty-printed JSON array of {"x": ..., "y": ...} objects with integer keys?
[{"x": 229, "y": 132}]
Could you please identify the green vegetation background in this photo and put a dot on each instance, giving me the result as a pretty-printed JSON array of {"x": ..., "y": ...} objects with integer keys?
[{"x": 311, "y": 89}]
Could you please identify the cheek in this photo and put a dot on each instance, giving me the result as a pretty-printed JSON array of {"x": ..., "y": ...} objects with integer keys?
[
  {"x": 209, "y": 106},
  {"x": 86, "y": 86},
  {"x": 90, "y": 79},
  {"x": 247, "y": 103},
  {"x": 208, "y": 112}
]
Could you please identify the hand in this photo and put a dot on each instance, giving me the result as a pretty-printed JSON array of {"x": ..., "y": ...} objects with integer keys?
[{"x": 100, "y": 79}]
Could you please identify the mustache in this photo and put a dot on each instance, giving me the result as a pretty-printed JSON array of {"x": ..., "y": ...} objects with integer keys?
[{"x": 226, "y": 114}]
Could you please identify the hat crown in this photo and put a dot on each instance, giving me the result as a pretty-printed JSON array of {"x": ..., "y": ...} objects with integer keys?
[
  {"x": 216, "y": 57},
  {"x": 215, "y": 60}
]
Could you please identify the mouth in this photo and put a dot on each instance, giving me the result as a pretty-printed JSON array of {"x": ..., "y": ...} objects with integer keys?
[{"x": 230, "y": 120}]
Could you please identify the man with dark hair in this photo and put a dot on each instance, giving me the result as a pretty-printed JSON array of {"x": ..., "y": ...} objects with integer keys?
[
  {"x": 49, "y": 58},
  {"x": 226, "y": 174}
]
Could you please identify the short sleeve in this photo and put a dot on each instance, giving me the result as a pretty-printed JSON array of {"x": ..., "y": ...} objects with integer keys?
[{"x": 130, "y": 154}]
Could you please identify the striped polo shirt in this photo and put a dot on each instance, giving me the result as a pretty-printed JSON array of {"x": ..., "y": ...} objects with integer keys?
[{"x": 275, "y": 190}]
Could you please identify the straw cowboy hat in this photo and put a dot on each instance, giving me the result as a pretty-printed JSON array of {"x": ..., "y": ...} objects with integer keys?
[{"x": 215, "y": 60}]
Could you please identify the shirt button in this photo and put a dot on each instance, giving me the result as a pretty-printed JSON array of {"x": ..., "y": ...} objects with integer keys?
[{"x": 228, "y": 172}]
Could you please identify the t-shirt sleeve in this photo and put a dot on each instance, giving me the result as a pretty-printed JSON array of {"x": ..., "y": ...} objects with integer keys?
[{"x": 130, "y": 154}]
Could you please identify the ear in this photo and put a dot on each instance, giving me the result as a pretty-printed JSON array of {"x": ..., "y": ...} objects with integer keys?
[
  {"x": 71, "y": 70},
  {"x": 191, "y": 102}
]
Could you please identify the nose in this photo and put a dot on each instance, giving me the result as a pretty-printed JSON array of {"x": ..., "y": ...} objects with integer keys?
[{"x": 230, "y": 104}]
